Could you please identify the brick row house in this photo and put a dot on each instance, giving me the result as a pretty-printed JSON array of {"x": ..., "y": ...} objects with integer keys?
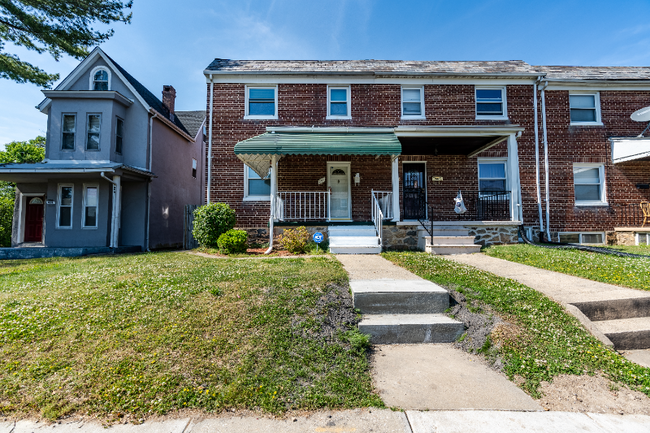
[{"x": 390, "y": 144}]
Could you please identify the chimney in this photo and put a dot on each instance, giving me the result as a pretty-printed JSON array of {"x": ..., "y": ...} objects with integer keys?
[{"x": 169, "y": 99}]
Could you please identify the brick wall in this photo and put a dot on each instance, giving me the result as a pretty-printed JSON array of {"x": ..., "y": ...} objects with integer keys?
[{"x": 379, "y": 105}]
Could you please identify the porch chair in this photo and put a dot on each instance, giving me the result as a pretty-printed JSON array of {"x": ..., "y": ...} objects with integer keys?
[{"x": 645, "y": 207}]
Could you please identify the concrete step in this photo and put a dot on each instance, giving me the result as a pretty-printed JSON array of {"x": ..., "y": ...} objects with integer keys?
[
  {"x": 354, "y": 240},
  {"x": 355, "y": 249},
  {"x": 351, "y": 231},
  {"x": 627, "y": 334},
  {"x": 615, "y": 308},
  {"x": 410, "y": 328},
  {"x": 450, "y": 240},
  {"x": 399, "y": 297},
  {"x": 452, "y": 249}
]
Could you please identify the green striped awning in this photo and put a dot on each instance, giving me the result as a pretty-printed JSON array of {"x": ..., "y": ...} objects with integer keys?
[{"x": 256, "y": 152}]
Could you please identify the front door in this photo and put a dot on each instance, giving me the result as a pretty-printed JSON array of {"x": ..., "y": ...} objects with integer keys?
[
  {"x": 34, "y": 220},
  {"x": 339, "y": 184},
  {"x": 414, "y": 192}
]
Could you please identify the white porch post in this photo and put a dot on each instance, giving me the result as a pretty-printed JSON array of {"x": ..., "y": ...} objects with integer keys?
[
  {"x": 516, "y": 211},
  {"x": 117, "y": 199},
  {"x": 395, "y": 179},
  {"x": 274, "y": 195}
]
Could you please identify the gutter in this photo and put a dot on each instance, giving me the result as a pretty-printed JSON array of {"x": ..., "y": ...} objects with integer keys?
[
  {"x": 539, "y": 195},
  {"x": 546, "y": 167},
  {"x": 209, "y": 185},
  {"x": 524, "y": 75}
]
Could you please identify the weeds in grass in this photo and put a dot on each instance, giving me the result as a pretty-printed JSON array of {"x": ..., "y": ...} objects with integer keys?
[
  {"x": 546, "y": 341},
  {"x": 623, "y": 271},
  {"x": 152, "y": 333}
]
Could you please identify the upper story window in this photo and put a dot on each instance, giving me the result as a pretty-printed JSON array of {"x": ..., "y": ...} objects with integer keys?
[
  {"x": 262, "y": 102},
  {"x": 94, "y": 129},
  {"x": 585, "y": 108},
  {"x": 413, "y": 102},
  {"x": 256, "y": 188},
  {"x": 491, "y": 103},
  {"x": 492, "y": 176},
  {"x": 119, "y": 135},
  {"x": 589, "y": 184},
  {"x": 100, "y": 79},
  {"x": 68, "y": 129},
  {"x": 338, "y": 103}
]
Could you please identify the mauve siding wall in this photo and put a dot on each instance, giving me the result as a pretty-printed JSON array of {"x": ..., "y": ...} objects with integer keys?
[
  {"x": 371, "y": 105},
  {"x": 569, "y": 144}
]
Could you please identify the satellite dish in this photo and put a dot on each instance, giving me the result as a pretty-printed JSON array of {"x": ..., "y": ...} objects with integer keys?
[{"x": 642, "y": 115}]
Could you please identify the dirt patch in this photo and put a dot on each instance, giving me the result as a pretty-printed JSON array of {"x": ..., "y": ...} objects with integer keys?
[
  {"x": 335, "y": 313},
  {"x": 594, "y": 394},
  {"x": 252, "y": 253}
]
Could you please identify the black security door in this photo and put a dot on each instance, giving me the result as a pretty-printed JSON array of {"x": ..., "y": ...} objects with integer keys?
[{"x": 414, "y": 194}]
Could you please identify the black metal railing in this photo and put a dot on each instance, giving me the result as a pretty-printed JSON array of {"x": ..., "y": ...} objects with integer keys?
[
  {"x": 627, "y": 215},
  {"x": 481, "y": 206}
]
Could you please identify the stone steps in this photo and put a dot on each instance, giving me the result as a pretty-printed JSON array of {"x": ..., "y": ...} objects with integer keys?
[
  {"x": 353, "y": 239},
  {"x": 450, "y": 240},
  {"x": 410, "y": 328}
]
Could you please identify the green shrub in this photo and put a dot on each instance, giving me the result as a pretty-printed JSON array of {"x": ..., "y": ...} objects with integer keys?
[
  {"x": 6, "y": 217},
  {"x": 211, "y": 221},
  {"x": 358, "y": 341},
  {"x": 233, "y": 242},
  {"x": 295, "y": 240}
]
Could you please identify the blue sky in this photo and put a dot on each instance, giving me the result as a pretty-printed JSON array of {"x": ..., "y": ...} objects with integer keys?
[{"x": 167, "y": 43}]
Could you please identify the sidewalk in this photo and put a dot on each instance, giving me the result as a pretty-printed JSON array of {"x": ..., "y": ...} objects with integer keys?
[{"x": 366, "y": 421}]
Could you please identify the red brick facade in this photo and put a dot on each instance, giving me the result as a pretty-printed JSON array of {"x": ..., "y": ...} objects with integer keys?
[{"x": 379, "y": 105}]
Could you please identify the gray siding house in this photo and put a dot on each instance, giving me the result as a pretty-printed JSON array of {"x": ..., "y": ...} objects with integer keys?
[{"x": 120, "y": 165}]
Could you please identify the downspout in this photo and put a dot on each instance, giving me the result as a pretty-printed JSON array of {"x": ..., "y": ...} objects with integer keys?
[
  {"x": 539, "y": 195},
  {"x": 149, "y": 182},
  {"x": 274, "y": 187},
  {"x": 546, "y": 168},
  {"x": 210, "y": 147}
]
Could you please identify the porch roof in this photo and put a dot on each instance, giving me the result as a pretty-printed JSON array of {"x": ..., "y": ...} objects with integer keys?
[
  {"x": 256, "y": 152},
  {"x": 630, "y": 149}
]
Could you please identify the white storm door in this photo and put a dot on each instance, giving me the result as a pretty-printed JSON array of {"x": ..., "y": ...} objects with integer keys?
[{"x": 338, "y": 180}]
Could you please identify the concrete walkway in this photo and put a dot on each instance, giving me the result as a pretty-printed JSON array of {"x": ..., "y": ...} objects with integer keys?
[
  {"x": 365, "y": 421},
  {"x": 568, "y": 290},
  {"x": 430, "y": 376}
]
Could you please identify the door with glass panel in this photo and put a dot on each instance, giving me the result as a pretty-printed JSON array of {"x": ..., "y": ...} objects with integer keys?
[{"x": 339, "y": 185}]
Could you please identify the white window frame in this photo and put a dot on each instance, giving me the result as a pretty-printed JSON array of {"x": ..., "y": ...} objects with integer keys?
[
  {"x": 275, "y": 91},
  {"x": 91, "y": 79},
  {"x": 74, "y": 133},
  {"x": 585, "y": 233},
  {"x": 248, "y": 197},
  {"x": 422, "y": 115},
  {"x": 58, "y": 206},
  {"x": 636, "y": 238},
  {"x": 596, "y": 95},
  {"x": 83, "y": 206},
  {"x": 504, "y": 103},
  {"x": 480, "y": 161},
  {"x": 99, "y": 145},
  {"x": 603, "y": 188},
  {"x": 348, "y": 102}
]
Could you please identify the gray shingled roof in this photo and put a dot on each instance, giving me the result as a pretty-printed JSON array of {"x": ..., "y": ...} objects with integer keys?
[
  {"x": 595, "y": 72},
  {"x": 370, "y": 66},
  {"x": 192, "y": 120}
]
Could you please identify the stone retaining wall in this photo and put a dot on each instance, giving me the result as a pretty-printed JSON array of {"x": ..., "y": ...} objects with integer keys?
[
  {"x": 401, "y": 238},
  {"x": 494, "y": 235}
]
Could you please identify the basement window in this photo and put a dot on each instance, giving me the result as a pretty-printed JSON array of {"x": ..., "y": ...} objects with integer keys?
[
  {"x": 643, "y": 238},
  {"x": 588, "y": 238}
]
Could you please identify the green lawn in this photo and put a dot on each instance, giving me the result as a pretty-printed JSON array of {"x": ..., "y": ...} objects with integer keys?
[
  {"x": 643, "y": 250},
  {"x": 152, "y": 333},
  {"x": 545, "y": 342},
  {"x": 623, "y": 271}
]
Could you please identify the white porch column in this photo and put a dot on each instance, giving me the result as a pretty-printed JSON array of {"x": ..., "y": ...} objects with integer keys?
[
  {"x": 274, "y": 197},
  {"x": 117, "y": 202},
  {"x": 516, "y": 211},
  {"x": 395, "y": 179}
]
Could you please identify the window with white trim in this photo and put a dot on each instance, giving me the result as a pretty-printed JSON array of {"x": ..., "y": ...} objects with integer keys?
[
  {"x": 582, "y": 238},
  {"x": 262, "y": 102},
  {"x": 643, "y": 238},
  {"x": 255, "y": 187},
  {"x": 119, "y": 135},
  {"x": 492, "y": 176},
  {"x": 589, "y": 184},
  {"x": 90, "y": 205},
  {"x": 65, "y": 202},
  {"x": 491, "y": 103},
  {"x": 413, "y": 102},
  {"x": 94, "y": 129},
  {"x": 585, "y": 108},
  {"x": 100, "y": 79},
  {"x": 338, "y": 103},
  {"x": 69, "y": 128}
]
